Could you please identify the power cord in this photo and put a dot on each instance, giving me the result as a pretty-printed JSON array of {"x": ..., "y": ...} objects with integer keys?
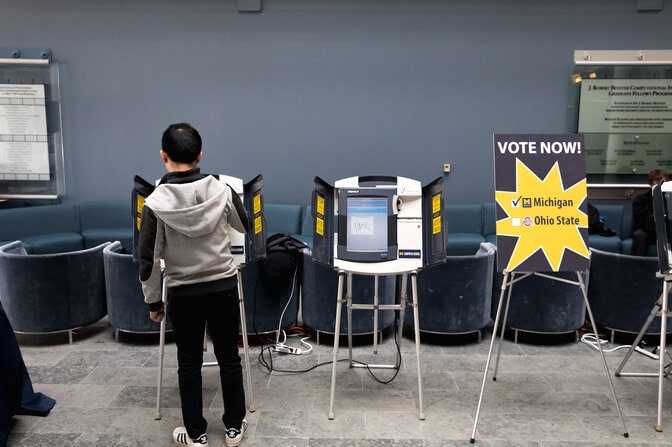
[
  {"x": 590, "y": 340},
  {"x": 282, "y": 348}
]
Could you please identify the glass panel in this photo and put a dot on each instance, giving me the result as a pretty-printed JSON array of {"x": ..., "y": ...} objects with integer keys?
[
  {"x": 25, "y": 170},
  {"x": 625, "y": 114}
]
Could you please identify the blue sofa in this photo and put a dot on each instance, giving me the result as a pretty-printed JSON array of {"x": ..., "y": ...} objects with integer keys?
[
  {"x": 67, "y": 227},
  {"x": 465, "y": 229},
  {"x": 74, "y": 226}
]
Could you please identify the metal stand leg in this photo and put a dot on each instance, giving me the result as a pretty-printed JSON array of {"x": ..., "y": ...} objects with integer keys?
[
  {"x": 375, "y": 307},
  {"x": 375, "y": 314},
  {"x": 348, "y": 307},
  {"x": 403, "y": 300},
  {"x": 487, "y": 363},
  {"x": 664, "y": 314},
  {"x": 599, "y": 345},
  {"x": 416, "y": 320},
  {"x": 246, "y": 346},
  {"x": 505, "y": 283},
  {"x": 337, "y": 332},
  {"x": 162, "y": 344},
  {"x": 506, "y": 316},
  {"x": 640, "y": 335},
  {"x": 660, "y": 308}
]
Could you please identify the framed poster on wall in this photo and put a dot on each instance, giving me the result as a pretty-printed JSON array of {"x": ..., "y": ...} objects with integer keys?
[
  {"x": 31, "y": 148},
  {"x": 621, "y": 101}
]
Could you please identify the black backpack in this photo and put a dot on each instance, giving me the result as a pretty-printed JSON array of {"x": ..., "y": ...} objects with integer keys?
[{"x": 283, "y": 254}]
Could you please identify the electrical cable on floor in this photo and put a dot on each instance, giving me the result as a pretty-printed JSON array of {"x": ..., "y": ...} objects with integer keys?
[
  {"x": 282, "y": 315},
  {"x": 589, "y": 339},
  {"x": 397, "y": 363},
  {"x": 268, "y": 364}
]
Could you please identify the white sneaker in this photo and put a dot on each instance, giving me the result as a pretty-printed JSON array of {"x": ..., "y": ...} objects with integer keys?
[
  {"x": 234, "y": 437},
  {"x": 181, "y": 438}
]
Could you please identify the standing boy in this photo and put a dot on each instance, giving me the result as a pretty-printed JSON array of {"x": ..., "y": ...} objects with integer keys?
[{"x": 185, "y": 222}]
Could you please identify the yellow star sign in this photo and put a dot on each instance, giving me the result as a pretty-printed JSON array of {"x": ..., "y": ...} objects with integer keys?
[{"x": 544, "y": 215}]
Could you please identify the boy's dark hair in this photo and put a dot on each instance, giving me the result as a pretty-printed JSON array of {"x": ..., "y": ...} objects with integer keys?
[{"x": 181, "y": 142}]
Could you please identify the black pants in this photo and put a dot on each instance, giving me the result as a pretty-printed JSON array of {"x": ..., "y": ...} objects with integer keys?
[{"x": 189, "y": 314}]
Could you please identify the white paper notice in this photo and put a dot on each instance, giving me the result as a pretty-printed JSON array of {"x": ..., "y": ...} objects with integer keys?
[{"x": 24, "y": 150}]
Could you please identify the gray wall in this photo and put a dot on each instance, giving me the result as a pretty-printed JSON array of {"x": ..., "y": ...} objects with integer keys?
[{"x": 315, "y": 87}]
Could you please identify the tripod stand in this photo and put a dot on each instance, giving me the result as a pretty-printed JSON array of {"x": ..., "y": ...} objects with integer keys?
[
  {"x": 508, "y": 284},
  {"x": 659, "y": 309},
  {"x": 346, "y": 276},
  {"x": 243, "y": 327}
]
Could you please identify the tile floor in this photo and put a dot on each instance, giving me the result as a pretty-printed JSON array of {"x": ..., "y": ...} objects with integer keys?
[{"x": 546, "y": 395}]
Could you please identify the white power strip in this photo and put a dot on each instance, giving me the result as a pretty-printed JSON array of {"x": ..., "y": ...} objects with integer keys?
[
  {"x": 646, "y": 353},
  {"x": 284, "y": 349}
]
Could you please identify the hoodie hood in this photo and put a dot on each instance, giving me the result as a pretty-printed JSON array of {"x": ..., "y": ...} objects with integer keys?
[{"x": 192, "y": 209}]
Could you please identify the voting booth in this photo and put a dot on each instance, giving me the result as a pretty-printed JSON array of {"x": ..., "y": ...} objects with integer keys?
[
  {"x": 244, "y": 248},
  {"x": 377, "y": 226},
  {"x": 662, "y": 212}
]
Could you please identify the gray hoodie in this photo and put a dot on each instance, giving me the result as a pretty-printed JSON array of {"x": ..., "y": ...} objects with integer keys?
[{"x": 193, "y": 221}]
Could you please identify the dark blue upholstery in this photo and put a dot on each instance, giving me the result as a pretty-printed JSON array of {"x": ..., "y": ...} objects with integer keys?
[
  {"x": 52, "y": 292},
  {"x": 454, "y": 297},
  {"x": 306, "y": 235},
  {"x": 465, "y": 229},
  {"x": 126, "y": 308},
  {"x": 622, "y": 291},
  {"x": 283, "y": 218},
  {"x": 320, "y": 287},
  {"x": 106, "y": 221},
  {"x": 266, "y": 299},
  {"x": 490, "y": 222},
  {"x": 612, "y": 216},
  {"x": 542, "y": 305},
  {"x": 42, "y": 229}
]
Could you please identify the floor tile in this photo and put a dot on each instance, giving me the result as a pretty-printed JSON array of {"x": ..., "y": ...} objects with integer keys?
[{"x": 545, "y": 395}]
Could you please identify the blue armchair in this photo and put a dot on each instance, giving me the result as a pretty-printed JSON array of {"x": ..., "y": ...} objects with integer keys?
[
  {"x": 320, "y": 287},
  {"x": 48, "y": 293},
  {"x": 622, "y": 291},
  {"x": 454, "y": 298},
  {"x": 126, "y": 307},
  {"x": 542, "y": 305}
]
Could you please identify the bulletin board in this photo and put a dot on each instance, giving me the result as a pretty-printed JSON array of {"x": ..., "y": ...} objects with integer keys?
[{"x": 31, "y": 144}]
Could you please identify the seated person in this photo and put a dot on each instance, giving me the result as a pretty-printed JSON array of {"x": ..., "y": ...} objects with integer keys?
[{"x": 643, "y": 224}]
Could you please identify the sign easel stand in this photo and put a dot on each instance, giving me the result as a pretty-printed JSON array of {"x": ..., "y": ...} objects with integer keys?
[
  {"x": 342, "y": 276},
  {"x": 246, "y": 354},
  {"x": 506, "y": 283},
  {"x": 661, "y": 309}
]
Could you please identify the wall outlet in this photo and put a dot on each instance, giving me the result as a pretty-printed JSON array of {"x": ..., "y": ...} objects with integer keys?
[{"x": 446, "y": 167}]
